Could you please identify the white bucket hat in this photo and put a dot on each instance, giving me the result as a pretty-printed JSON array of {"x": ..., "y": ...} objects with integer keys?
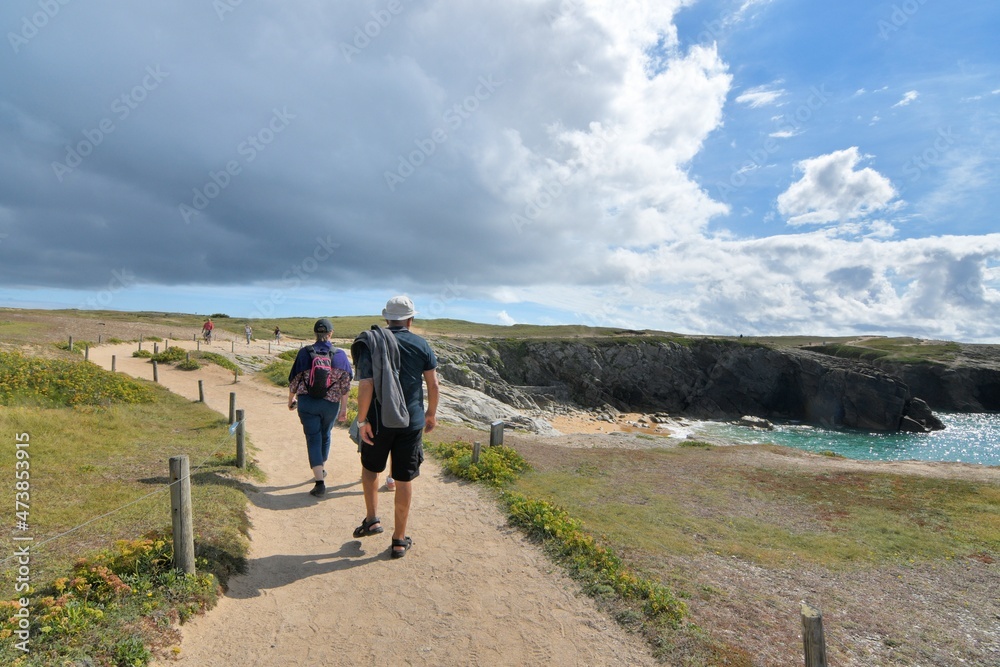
[{"x": 398, "y": 308}]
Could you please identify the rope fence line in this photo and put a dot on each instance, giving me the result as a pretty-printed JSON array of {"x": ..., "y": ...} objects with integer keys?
[{"x": 231, "y": 431}]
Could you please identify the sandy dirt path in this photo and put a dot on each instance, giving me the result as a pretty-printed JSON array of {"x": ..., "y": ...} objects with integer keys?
[{"x": 471, "y": 591}]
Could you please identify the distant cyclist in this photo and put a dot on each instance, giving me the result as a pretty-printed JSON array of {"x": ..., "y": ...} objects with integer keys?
[{"x": 206, "y": 330}]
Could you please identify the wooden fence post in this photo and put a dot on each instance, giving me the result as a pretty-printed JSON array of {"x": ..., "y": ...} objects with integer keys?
[
  {"x": 496, "y": 433},
  {"x": 812, "y": 636},
  {"x": 232, "y": 407},
  {"x": 188, "y": 356},
  {"x": 156, "y": 348},
  {"x": 180, "y": 510},
  {"x": 476, "y": 448},
  {"x": 232, "y": 345},
  {"x": 99, "y": 338},
  {"x": 236, "y": 375},
  {"x": 201, "y": 391},
  {"x": 198, "y": 343},
  {"x": 70, "y": 343},
  {"x": 156, "y": 374},
  {"x": 112, "y": 363},
  {"x": 86, "y": 352},
  {"x": 140, "y": 345},
  {"x": 241, "y": 452}
]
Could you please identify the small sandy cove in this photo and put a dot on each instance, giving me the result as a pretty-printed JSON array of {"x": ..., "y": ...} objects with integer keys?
[{"x": 471, "y": 591}]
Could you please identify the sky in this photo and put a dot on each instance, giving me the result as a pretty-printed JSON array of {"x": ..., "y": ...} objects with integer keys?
[{"x": 717, "y": 167}]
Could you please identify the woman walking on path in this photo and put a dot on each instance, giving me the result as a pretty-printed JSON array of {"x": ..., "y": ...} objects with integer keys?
[{"x": 318, "y": 384}]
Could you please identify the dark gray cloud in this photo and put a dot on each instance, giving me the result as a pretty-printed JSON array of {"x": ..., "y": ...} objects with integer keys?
[
  {"x": 200, "y": 144},
  {"x": 527, "y": 151}
]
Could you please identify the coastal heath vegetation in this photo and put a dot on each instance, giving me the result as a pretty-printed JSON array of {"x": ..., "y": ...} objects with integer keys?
[{"x": 102, "y": 586}]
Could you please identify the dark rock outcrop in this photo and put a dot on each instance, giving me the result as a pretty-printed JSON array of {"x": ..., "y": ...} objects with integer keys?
[
  {"x": 970, "y": 383},
  {"x": 701, "y": 378}
]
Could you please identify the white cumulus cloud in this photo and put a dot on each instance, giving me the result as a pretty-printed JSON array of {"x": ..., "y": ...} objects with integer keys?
[{"x": 832, "y": 189}]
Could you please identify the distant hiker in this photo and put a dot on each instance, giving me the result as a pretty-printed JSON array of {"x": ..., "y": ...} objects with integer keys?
[
  {"x": 318, "y": 384},
  {"x": 277, "y": 335},
  {"x": 206, "y": 330},
  {"x": 393, "y": 363},
  {"x": 249, "y": 332}
]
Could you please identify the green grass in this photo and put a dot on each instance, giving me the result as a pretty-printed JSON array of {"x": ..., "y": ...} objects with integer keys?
[
  {"x": 219, "y": 360},
  {"x": 648, "y": 605},
  {"x": 20, "y": 331},
  {"x": 108, "y": 609},
  {"x": 26, "y": 380},
  {"x": 898, "y": 350},
  {"x": 653, "y": 508},
  {"x": 171, "y": 355},
  {"x": 115, "y": 456},
  {"x": 840, "y": 519},
  {"x": 79, "y": 346},
  {"x": 497, "y": 466},
  {"x": 277, "y": 372}
]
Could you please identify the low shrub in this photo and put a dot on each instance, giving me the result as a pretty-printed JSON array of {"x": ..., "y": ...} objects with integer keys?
[
  {"x": 142, "y": 354},
  {"x": 219, "y": 360},
  {"x": 60, "y": 382},
  {"x": 596, "y": 566},
  {"x": 277, "y": 371},
  {"x": 497, "y": 466},
  {"x": 649, "y": 603},
  {"x": 78, "y": 346},
  {"x": 171, "y": 355},
  {"x": 188, "y": 365},
  {"x": 94, "y": 610}
]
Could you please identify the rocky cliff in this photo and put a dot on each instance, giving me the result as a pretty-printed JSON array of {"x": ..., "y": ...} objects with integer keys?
[
  {"x": 699, "y": 378},
  {"x": 970, "y": 382}
]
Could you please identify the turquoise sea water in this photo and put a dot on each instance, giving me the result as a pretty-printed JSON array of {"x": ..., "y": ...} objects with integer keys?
[{"x": 969, "y": 438}]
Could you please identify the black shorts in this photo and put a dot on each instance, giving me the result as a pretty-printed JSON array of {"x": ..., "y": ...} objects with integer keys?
[{"x": 406, "y": 447}]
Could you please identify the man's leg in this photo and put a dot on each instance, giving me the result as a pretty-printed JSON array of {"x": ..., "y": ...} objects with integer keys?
[
  {"x": 404, "y": 492},
  {"x": 369, "y": 484}
]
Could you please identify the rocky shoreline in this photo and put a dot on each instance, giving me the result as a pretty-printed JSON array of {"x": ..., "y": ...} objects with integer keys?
[{"x": 696, "y": 379}]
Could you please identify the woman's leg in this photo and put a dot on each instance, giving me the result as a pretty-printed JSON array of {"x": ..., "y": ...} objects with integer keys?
[
  {"x": 329, "y": 418},
  {"x": 312, "y": 427}
]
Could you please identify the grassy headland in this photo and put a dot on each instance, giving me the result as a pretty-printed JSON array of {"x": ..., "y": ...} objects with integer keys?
[{"x": 96, "y": 504}]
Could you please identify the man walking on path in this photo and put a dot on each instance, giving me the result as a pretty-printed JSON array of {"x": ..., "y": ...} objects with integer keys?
[{"x": 391, "y": 415}]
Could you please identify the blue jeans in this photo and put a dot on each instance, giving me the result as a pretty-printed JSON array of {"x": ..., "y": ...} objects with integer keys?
[{"x": 317, "y": 417}]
